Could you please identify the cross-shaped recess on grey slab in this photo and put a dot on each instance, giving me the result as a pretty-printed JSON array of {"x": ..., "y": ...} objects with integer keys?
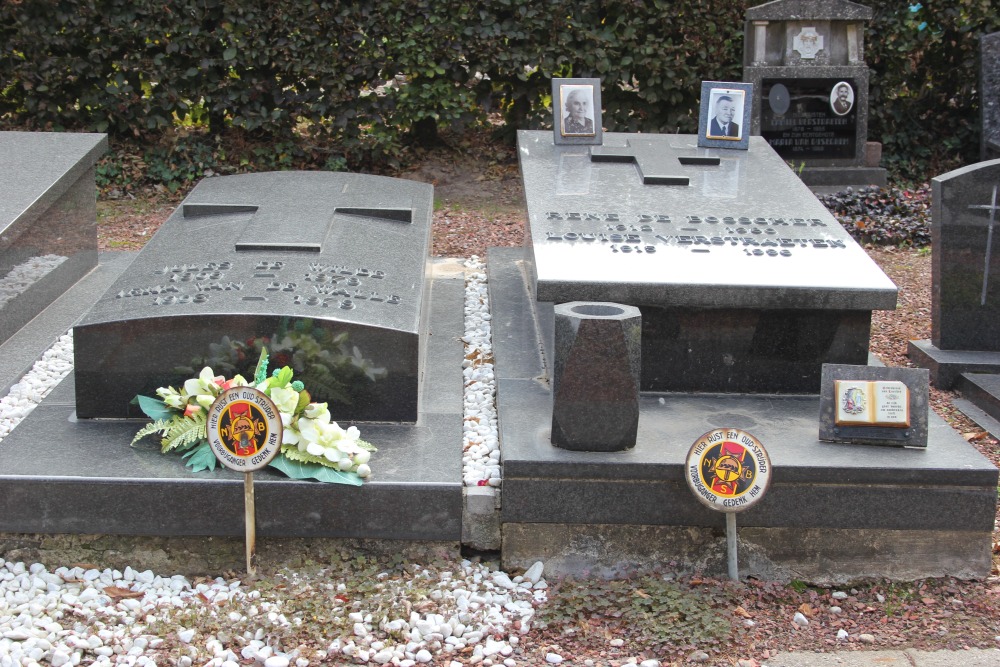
[
  {"x": 992, "y": 208},
  {"x": 272, "y": 228},
  {"x": 656, "y": 166}
]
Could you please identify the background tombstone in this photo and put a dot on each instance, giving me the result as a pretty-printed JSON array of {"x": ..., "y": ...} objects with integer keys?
[
  {"x": 327, "y": 270},
  {"x": 806, "y": 61},
  {"x": 48, "y": 219},
  {"x": 989, "y": 95},
  {"x": 965, "y": 309},
  {"x": 964, "y": 350}
]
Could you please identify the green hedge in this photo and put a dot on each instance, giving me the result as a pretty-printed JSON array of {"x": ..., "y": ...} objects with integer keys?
[{"x": 328, "y": 70}]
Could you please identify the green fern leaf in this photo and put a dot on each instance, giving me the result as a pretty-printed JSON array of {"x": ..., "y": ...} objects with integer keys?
[
  {"x": 185, "y": 432},
  {"x": 160, "y": 425}
]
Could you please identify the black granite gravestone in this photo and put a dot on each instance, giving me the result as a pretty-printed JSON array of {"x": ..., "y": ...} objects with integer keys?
[
  {"x": 965, "y": 293},
  {"x": 326, "y": 270},
  {"x": 808, "y": 126},
  {"x": 48, "y": 219},
  {"x": 966, "y": 258}
]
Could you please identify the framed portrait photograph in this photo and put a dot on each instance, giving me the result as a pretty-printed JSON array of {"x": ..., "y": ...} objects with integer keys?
[
  {"x": 842, "y": 98},
  {"x": 724, "y": 119},
  {"x": 576, "y": 111}
]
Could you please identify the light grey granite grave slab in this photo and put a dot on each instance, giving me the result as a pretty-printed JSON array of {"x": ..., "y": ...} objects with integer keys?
[
  {"x": 48, "y": 219},
  {"x": 327, "y": 270},
  {"x": 745, "y": 281}
]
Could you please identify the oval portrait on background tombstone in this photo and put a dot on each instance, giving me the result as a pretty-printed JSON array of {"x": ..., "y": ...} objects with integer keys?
[
  {"x": 779, "y": 99},
  {"x": 842, "y": 98},
  {"x": 728, "y": 470}
]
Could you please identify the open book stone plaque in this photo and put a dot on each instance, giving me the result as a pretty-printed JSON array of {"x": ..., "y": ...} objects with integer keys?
[
  {"x": 874, "y": 405},
  {"x": 325, "y": 270}
]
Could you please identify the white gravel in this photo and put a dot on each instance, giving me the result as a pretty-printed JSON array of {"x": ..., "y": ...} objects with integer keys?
[
  {"x": 75, "y": 616},
  {"x": 68, "y": 617},
  {"x": 26, "y": 274},
  {"x": 480, "y": 441}
]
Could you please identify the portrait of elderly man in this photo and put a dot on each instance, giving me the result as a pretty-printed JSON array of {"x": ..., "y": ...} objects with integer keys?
[
  {"x": 578, "y": 117},
  {"x": 722, "y": 125}
]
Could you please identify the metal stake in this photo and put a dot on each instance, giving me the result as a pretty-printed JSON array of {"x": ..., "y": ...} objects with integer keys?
[
  {"x": 734, "y": 573},
  {"x": 250, "y": 518}
]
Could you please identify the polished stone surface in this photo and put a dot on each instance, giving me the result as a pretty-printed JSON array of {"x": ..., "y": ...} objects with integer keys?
[
  {"x": 48, "y": 219},
  {"x": 989, "y": 95},
  {"x": 745, "y": 281},
  {"x": 965, "y": 234},
  {"x": 327, "y": 270},
  {"x": 60, "y": 474},
  {"x": 815, "y": 484},
  {"x": 595, "y": 376},
  {"x": 744, "y": 234},
  {"x": 946, "y": 366},
  {"x": 983, "y": 390},
  {"x": 916, "y": 381}
]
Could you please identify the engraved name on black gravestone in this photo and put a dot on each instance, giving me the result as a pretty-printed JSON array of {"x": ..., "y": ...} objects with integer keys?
[
  {"x": 325, "y": 270},
  {"x": 799, "y": 121}
]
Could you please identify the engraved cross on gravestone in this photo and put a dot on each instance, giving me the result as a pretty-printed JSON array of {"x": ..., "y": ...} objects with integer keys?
[
  {"x": 992, "y": 208},
  {"x": 325, "y": 270},
  {"x": 655, "y": 166}
]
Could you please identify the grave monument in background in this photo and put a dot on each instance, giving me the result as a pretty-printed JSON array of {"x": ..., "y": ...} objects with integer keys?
[
  {"x": 964, "y": 349},
  {"x": 989, "y": 95},
  {"x": 806, "y": 61},
  {"x": 48, "y": 219}
]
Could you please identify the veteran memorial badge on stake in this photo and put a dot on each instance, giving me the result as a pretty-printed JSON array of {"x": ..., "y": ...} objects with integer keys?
[
  {"x": 244, "y": 431},
  {"x": 728, "y": 470}
]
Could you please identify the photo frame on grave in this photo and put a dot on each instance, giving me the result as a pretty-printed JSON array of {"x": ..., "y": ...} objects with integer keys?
[
  {"x": 576, "y": 112},
  {"x": 874, "y": 405},
  {"x": 842, "y": 98},
  {"x": 724, "y": 116}
]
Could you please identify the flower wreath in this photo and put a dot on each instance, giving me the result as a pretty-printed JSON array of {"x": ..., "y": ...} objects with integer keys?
[{"x": 312, "y": 446}]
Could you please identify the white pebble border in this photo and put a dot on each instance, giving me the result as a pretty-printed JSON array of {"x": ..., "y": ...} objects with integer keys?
[
  {"x": 68, "y": 617},
  {"x": 65, "y": 617},
  {"x": 36, "y": 384},
  {"x": 480, "y": 441}
]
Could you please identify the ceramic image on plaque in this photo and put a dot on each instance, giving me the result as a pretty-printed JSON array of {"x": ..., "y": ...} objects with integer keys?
[
  {"x": 724, "y": 118},
  {"x": 842, "y": 98},
  {"x": 878, "y": 403},
  {"x": 576, "y": 111},
  {"x": 808, "y": 43}
]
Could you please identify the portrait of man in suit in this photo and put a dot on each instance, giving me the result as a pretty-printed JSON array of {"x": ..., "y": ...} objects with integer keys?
[
  {"x": 727, "y": 108},
  {"x": 842, "y": 98}
]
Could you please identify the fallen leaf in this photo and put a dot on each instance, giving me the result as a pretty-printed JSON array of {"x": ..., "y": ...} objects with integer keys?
[
  {"x": 641, "y": 593},
  {"x": 806, "y": 609},
  {"x": 116, "y": 593},
  {"x": 740, "y": 611},
  {"x": 928, "y": 601}
]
